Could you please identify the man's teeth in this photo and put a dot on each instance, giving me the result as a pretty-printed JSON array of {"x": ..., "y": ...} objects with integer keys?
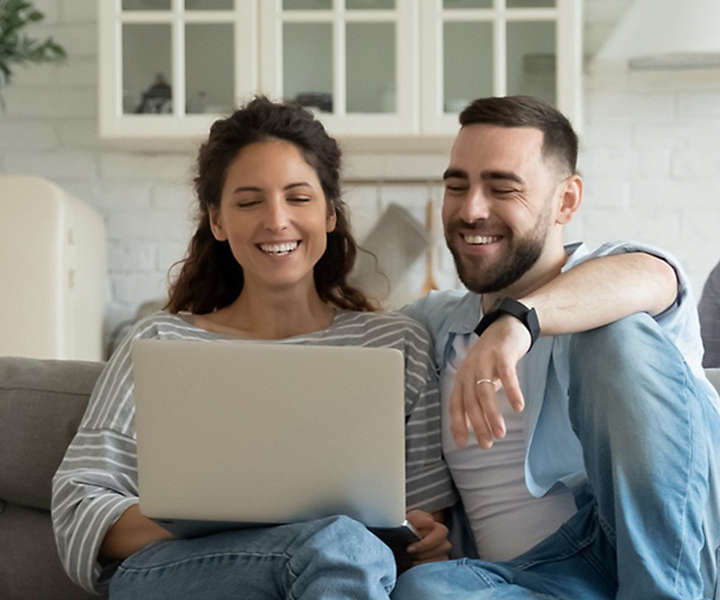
[
  {"x": 481, "y": 239},
  {"x": 284, "y": 248}
]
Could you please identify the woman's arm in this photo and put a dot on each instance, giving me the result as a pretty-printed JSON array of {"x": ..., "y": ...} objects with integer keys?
[
  {"x": 132, "y": 531},
  {"x": 96, "y": 483}
]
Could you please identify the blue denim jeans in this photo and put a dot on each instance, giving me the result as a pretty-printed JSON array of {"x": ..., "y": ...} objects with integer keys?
[
  {"x": 648, "y": 520},
  {"x": 326, "y": 559}
]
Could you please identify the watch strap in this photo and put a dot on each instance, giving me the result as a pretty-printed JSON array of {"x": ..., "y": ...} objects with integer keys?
[{"x": 509, "y": 306}]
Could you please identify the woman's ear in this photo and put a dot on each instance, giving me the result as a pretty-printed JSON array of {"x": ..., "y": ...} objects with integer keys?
[
  {"x": 331, "y": 221},
  {"x": 570, "y": 199},
  {"x": 215, "y": 224}
]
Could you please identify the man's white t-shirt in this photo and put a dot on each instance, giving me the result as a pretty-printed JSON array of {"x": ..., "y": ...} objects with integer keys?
[{"x": 505, "y": 518}]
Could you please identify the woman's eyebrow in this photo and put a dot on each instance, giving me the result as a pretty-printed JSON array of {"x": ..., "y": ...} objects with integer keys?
[{"x": 252, "y": 188}]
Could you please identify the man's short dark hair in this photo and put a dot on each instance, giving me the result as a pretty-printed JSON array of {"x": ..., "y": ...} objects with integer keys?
[{"x": 559, "y": 139}]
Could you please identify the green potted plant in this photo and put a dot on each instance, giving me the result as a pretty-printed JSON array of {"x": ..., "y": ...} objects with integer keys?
[{"x": 16, "y": 47}]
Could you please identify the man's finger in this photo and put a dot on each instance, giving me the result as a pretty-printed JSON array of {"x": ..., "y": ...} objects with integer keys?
[
  {"x": 485, "y": 398},
  {"x": 477, "y": 416},
  {"x": 512, "y": 388},
  {"x": 457, "y": 415}
]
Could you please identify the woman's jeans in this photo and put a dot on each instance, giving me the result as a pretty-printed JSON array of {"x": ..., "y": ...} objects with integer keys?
[
  {"x": 326, "y": 559},
  {"x": 648, "y": 523}
]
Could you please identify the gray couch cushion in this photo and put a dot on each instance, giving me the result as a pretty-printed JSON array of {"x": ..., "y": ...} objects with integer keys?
[
  {"x": 30, "y": 567},
  {"x": 41, "y": 403}
]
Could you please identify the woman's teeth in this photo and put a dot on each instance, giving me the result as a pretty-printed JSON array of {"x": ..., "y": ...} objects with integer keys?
[
  {"x": 278, "y": 249},
  {"x": 481, "y": 239}
]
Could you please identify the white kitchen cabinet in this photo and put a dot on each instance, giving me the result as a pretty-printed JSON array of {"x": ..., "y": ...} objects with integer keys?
[
  {"x": 476, "y": 48},
  {"x": 372, "y": 69},
  {"x": 168, "y": 68}
]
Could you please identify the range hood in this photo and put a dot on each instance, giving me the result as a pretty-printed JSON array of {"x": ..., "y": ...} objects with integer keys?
[{"x": 665, "y": 34}]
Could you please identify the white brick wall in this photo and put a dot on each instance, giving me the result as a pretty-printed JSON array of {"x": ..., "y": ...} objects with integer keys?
[
  {"x": 649, "y": 155},
  {"x": 660, "y": 157}
]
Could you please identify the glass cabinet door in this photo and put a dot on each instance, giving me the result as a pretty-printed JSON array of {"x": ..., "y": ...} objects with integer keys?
[
  {"x": 174, "y": 65},
  {"x": 147, "y": 68},
  {"x": 352, "y": 61},
  {"x": 477, "y": 48}
]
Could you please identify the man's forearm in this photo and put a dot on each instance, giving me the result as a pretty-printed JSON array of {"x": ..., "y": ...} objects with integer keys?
[{"x": 603, "y": 290}]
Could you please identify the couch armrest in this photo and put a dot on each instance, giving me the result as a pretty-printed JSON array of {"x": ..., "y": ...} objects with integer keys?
[{"x": 41, "y": 404}]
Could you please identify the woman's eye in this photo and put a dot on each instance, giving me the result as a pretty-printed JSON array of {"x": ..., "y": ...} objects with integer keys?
[
  {"x": 299, "y": 199},
  {"x": 246, "y": 203}
]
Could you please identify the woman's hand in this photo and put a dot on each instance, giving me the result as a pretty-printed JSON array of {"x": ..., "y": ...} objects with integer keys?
[{"x": 433, "y": 544}]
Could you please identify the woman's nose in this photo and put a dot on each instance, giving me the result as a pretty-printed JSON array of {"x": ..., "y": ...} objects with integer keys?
[{"x": 277, "y": 216}]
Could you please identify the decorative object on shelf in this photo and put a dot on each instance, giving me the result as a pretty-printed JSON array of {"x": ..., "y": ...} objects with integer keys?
[
  {"x": 17, "y": 48},
  {"x": 319, "y": 100},
  {"x": 157, "y": 99},
  {"x": 388, "y": 252}
]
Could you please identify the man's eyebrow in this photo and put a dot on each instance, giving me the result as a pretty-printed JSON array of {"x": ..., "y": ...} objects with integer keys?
[
  {"x": 504, "y": 175},
  {"x": 459, "y": 173},
  {"x": 252, "y": 188}
]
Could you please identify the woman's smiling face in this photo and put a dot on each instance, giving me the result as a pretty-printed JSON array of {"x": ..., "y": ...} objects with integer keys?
[{"x": 273, "y": 213}]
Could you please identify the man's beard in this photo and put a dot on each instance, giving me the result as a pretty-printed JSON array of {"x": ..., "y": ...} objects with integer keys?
[{"x": 522, "y": 255}]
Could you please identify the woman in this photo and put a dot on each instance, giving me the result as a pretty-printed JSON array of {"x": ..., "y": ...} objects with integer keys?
[{"x": 268, "y": 261}]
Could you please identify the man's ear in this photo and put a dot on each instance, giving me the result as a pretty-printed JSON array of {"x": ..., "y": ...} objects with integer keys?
[
  {"x": 215, "y": 225},
  {"x": 570, "y": 199},
  {"x": 331, "y": 221}
]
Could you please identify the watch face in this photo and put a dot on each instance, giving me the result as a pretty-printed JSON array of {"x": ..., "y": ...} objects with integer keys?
[{"x": 512, "y": 306}]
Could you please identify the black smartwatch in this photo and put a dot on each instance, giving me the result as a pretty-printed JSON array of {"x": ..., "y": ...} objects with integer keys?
[{"x": 510, "y": 306}]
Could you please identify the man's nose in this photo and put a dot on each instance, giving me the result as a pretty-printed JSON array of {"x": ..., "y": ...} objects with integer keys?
[{"x": 475, "y": 206}]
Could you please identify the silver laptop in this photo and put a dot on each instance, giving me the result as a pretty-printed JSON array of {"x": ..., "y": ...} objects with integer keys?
[{"x": 248, "y": 433}]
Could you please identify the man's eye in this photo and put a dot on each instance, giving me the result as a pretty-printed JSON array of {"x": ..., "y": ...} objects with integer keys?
[
  {"x": 455, "y": 188},
  {"x": 502, "y": 192}
]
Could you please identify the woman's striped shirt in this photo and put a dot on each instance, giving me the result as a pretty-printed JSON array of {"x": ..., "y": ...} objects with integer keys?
[{"x": 97, "y": 479}]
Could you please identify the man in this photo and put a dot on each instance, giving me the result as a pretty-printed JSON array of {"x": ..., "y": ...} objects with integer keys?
[{"x": 591, "y": 470}]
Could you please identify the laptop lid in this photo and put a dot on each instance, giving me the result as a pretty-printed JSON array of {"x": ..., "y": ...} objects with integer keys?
[{"x": 269, "y": 433}]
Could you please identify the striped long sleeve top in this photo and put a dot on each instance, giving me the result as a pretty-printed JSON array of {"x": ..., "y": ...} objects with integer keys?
[{"x": 97, "y": 479}]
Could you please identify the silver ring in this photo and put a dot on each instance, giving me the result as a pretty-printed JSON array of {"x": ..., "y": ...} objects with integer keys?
[{"x": 490, "y": 381}]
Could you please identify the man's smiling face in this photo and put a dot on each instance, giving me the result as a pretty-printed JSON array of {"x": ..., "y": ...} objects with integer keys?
[{"x": 498, "y": 205}]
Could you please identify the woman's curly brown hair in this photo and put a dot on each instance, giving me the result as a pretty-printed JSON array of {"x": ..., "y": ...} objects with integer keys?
[{"x": 210, "y": 278}]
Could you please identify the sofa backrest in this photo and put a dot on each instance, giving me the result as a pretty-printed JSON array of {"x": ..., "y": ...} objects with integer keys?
[
  {"x": 41, "y": 404},
  {"x": 714, "y": 376}
]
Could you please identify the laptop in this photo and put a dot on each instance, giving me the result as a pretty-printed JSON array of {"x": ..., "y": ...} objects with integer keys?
[{"x": 235, "y": 433}]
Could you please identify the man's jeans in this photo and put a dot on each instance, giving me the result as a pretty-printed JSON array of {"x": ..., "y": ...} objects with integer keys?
[
  {"x": 648, "y": 522},
  {"x": 327, "y": 559}
]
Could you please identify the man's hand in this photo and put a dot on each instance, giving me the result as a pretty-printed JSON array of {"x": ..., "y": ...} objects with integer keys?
[
  {"x": 489, "y": 366},
  {"x": 433, "y": 544}
]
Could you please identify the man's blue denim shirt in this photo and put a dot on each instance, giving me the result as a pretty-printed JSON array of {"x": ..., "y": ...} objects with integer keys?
[{"x": 544, "y": 372}]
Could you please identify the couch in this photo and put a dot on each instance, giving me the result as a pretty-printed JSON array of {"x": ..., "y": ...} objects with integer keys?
[{"x": 41, "y": 403}]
